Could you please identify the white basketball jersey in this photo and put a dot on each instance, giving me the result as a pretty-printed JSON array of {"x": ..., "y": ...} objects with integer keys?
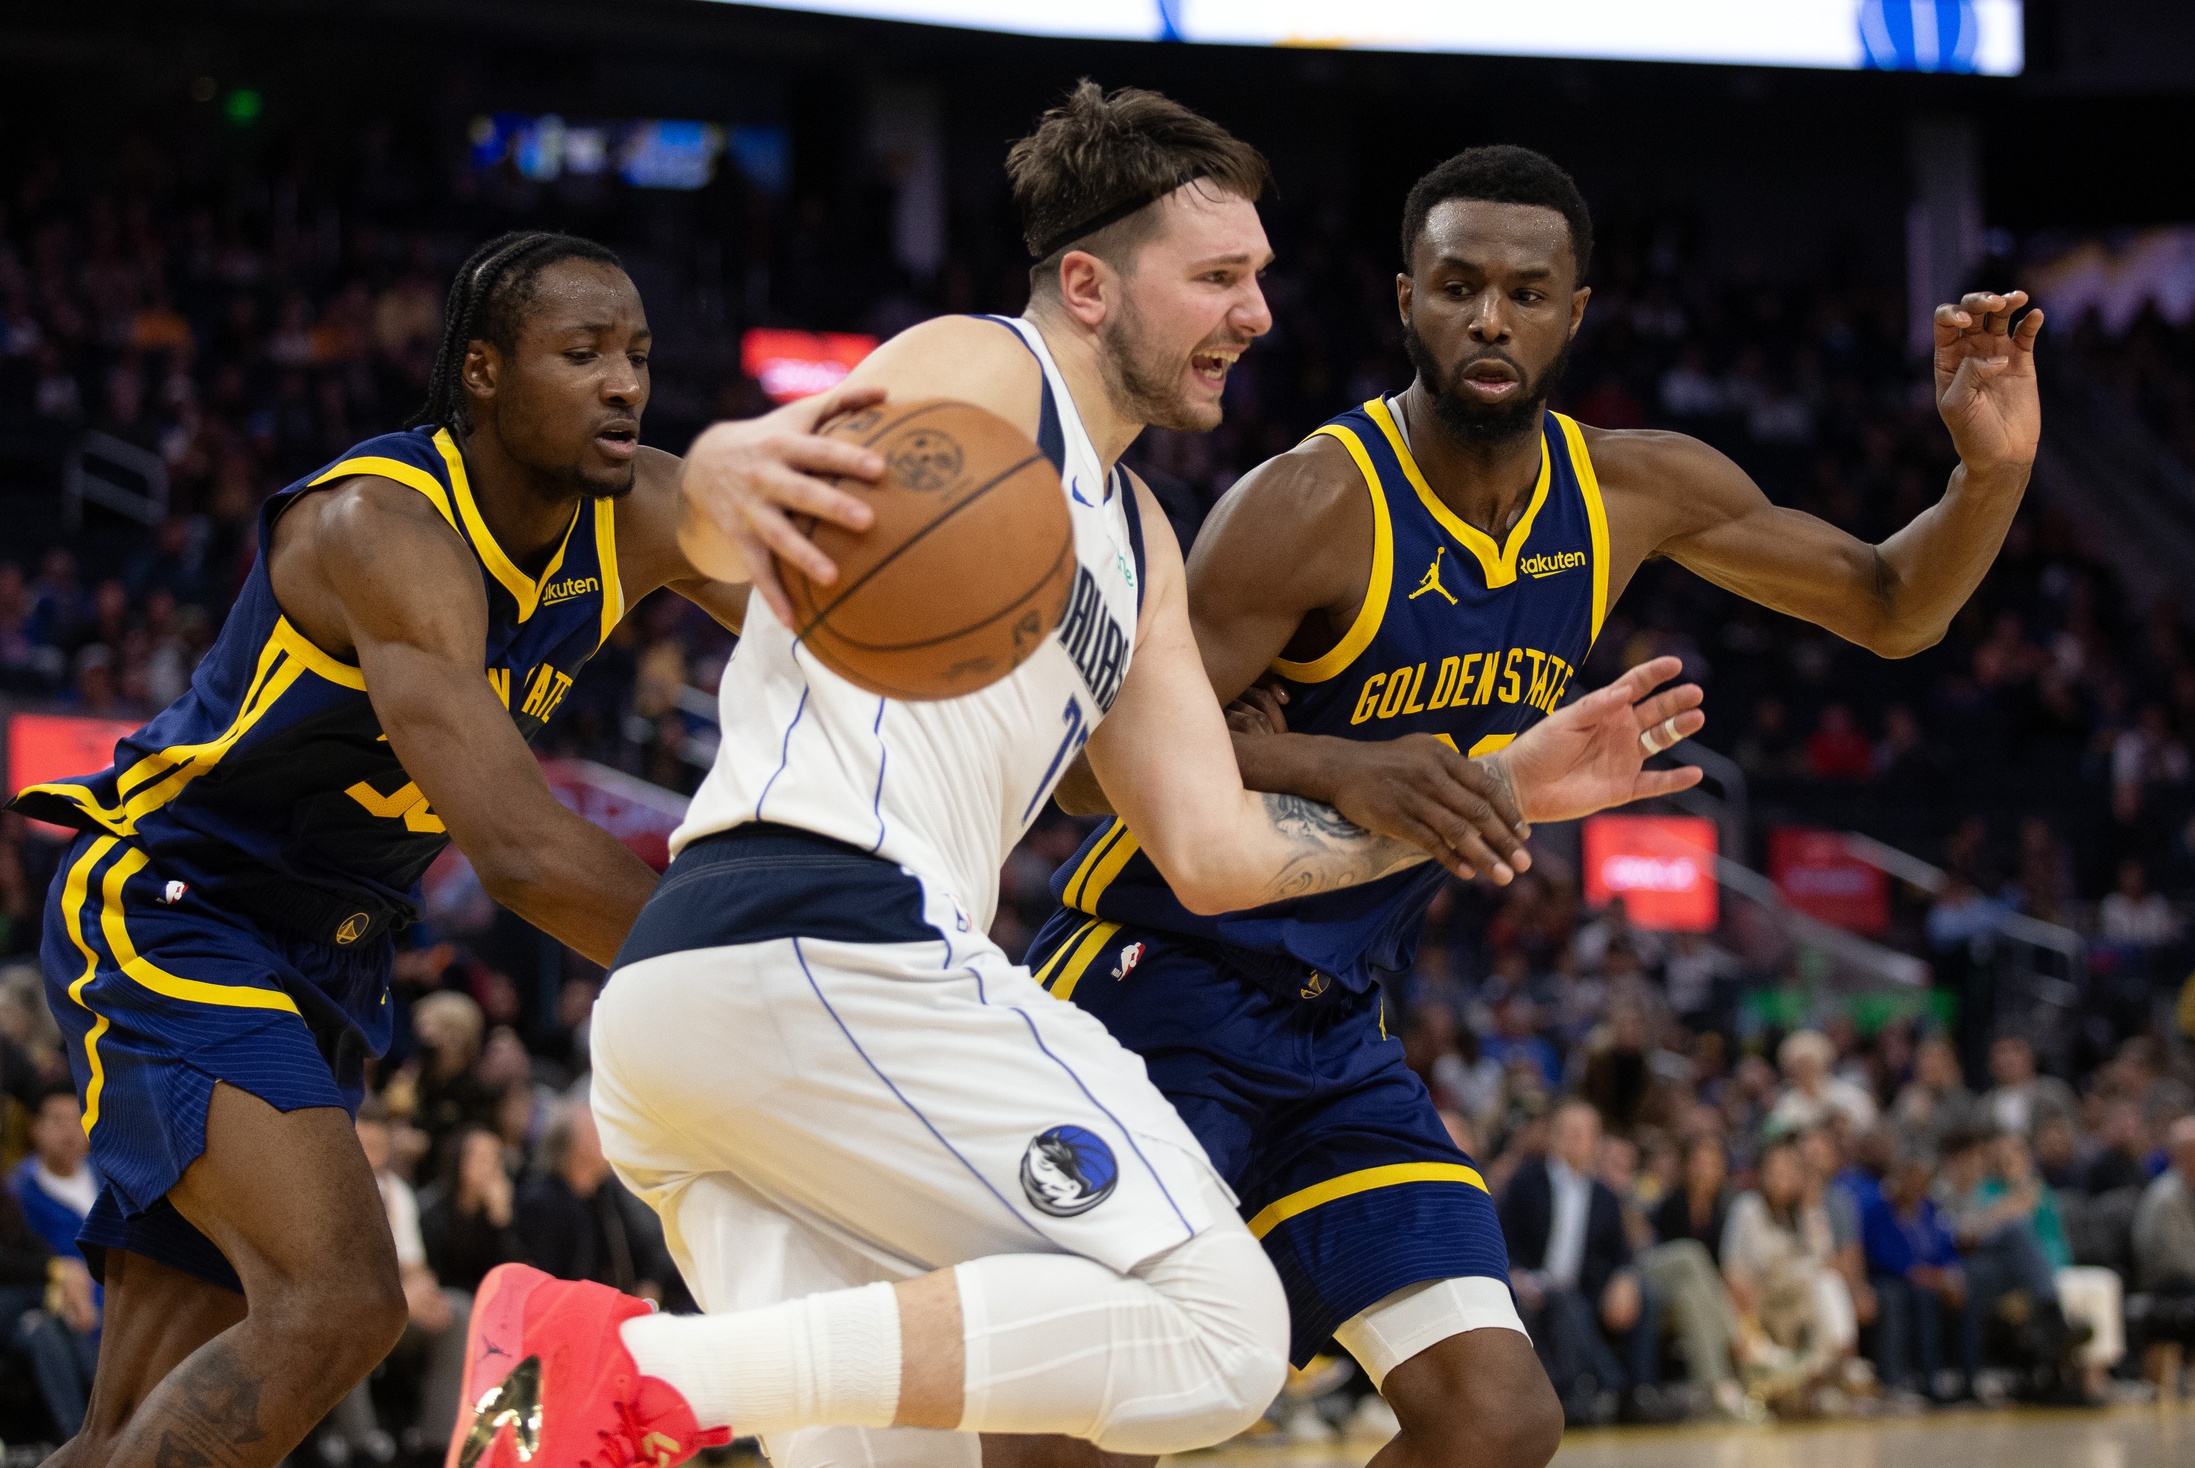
[{"x": 944, "y": 788}]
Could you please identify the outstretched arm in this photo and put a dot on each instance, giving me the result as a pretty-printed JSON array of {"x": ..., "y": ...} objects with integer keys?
[
  {"x": 409, "y": 596},
  {"x": 1899, "y": 597}
]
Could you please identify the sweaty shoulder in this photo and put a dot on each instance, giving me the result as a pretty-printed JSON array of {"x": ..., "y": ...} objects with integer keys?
[
  {"x": 1299, "y": 525},
  {"x": 362, "y": 548},
  {"x": 965, "y": 357}
]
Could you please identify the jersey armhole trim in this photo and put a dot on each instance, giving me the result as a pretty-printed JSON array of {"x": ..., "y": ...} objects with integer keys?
[
  {"x": 1596, "y": 516},
  {"x": 1498, "y": 562},
  {"x": 1374, "y": 611},
  {"x": 1051, "y": 433},
  {"x": 605, "y": 554},
  {"x": 409, "y": 475},
  {"x": 1134, "y": 512}
]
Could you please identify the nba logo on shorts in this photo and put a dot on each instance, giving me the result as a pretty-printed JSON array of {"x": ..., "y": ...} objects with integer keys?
[
  {"x": 1067, "y": 1171},
  {"x": 1129, "y": 958},
  {"x": 173, "y": 893}
]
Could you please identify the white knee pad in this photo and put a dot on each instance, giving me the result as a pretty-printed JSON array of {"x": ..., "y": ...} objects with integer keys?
[{"x": 1186, "y": 1352}]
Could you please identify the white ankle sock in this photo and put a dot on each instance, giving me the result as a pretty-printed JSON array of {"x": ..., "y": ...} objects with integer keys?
[{"x": 830, "y": 1359}]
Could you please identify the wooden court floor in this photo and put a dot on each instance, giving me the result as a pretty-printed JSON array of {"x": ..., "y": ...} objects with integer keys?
[{"x": 2129, "y": 1437}]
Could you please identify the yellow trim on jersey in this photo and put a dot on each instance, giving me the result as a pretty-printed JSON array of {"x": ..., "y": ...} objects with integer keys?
[
  {"x": 526, "y": 592},
  {"x": 1071, "y": 894},
  {"x": 1101, "y": 876},
  {"x": 159, "y": 778},
  {"x": 149, "y": 974},
  {"x": 396, "y": 469},
  {"x": 1596, "y": 516},
  {"x": 73, "y": 894},
  {"x": 1498, "y": 562},
  {"x": 316, "y": 659},
  {"x": 1367, "y": 625},
  {"x": 1489, "y": 744},
  {"x": 1349, "y": 1184},
  {"x": 1043, "y": 976},
  {"x": 605, "y": 554},
  {"x": 1085, "y": 954}
]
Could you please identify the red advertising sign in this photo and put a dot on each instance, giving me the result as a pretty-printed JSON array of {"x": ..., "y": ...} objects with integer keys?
[
  {"x": 1820, "y": 878},
  {"x": 1663, "y": 867},
  {"x": 799, "y": 364},
  {"x": 44, "y": 747}
]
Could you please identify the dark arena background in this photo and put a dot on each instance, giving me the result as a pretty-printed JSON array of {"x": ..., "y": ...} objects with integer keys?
[{"x": 1930, "y": 908}]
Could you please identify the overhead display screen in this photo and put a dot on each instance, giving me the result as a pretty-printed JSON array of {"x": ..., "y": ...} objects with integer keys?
[{"x": 1981, "y": 36}]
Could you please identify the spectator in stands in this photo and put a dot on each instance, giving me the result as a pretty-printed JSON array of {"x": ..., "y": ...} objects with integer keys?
[
  {"x": 2132, "y": 916},
  {"x": 2165, "y": 1223},
  {"x": 1517, "y": 1040},
  {"x": 2091, "y": 1298},
  {"x": 2022, "y": 1100},
  {"x": 56, "y": 1184},
  {"x": 1837, "y": 750},
  {"x": 57, "y": 1347},
  {"x": 1681, "y": 1274},
  {"x": 2008, "y": 1271},
  {"x": 1699, "y": 1207},
  {"x": 1935, "y": 1104},
  {"x": 432, "y": 1348},
  {"x": 1811, "y": 1094},
  {"x": 465, "y": 1217},
  {"x": 2164, "y": 1261},
  {"x": 578, "y": 1222},
  {"x": 2122, "y": 1157},
  {"x": 1570, "y": 1266},
  {"x": 451, "y": 1096},
  {"x": 1822, "y": 1152},
  {"x": 1913, "y": 1267},
  {"x": 1777, "y": 1255}
]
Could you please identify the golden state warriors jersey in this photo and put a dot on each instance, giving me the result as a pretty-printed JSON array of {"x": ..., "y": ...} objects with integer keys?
[
  {"x": 1459, "y": 637},
  {"x": 270, "y": 783}
]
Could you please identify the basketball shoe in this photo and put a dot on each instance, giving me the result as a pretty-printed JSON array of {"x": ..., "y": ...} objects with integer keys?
[{"x": 549, "y": 1383}]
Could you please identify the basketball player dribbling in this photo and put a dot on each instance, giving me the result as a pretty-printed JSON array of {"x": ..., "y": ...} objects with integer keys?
[
  {"x": 217, "y": 940},
  {"x": 920, "y": 1199},
  {"x": 1418, "y": 577}
]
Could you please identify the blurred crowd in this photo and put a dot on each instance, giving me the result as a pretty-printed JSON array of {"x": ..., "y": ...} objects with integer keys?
[{"x": 1787, "y": 1209}]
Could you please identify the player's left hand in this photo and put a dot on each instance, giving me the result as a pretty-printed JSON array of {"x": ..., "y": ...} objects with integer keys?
[
  {"x": 1592, "y": 754},
  {"x": 1985, "y": 380}
]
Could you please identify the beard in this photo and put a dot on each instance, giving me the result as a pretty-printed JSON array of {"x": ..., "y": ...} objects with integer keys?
[
  {"x": 1474, "y": 422},
  {"x": 1143, "y": 379}
]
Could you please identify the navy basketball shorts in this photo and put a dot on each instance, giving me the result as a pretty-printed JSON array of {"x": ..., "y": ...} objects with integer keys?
[
  {"x": 1301, "y": 1098},
  {"x": 160, "y": 993}
]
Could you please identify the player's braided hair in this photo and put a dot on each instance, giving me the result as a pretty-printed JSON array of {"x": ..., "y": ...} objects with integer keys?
[{"x": 488, "y": 301}]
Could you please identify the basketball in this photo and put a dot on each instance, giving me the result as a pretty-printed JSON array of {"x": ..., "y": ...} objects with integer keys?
[{"x": 964, "y": 572}]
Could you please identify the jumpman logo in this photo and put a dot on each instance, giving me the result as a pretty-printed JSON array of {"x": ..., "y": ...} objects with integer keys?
[{"x": 1432, "y": 579}]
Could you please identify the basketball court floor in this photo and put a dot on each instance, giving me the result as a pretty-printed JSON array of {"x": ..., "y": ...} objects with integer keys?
[{"x": 2131, "y": 1437}]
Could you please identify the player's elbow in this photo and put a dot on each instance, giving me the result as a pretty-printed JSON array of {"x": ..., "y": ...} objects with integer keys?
[
  {"x": 510, "y": 871},
  {"x": 1211, "y": 887},
  {"x": 1893, "y": 641}
]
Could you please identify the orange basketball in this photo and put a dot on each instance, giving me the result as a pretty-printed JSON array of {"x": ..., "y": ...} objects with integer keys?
[{"x": 967, "y": 568}]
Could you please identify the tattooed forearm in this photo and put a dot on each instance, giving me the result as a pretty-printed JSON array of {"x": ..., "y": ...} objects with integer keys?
[{"x": 1327, "y": 849}]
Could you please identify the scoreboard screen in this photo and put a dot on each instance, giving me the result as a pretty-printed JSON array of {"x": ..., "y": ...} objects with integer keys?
[{"x": 1983, "y": 36}]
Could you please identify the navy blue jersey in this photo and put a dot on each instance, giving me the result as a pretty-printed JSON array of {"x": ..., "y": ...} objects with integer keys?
[
  {"x": 1460, "y": 638},
  {"x": 269, "y": 784}
]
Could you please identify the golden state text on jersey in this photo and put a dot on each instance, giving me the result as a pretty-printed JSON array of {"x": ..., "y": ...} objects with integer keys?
[
  {"x": 1460, "y": 637},
  {"x": 269, "y": 787}
]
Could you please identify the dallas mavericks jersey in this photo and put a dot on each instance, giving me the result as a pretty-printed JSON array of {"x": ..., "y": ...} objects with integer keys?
[
  {"x": 1460, "y": 638},
  {"x": 270, "y": 783},
  {"x": 942, "y": 788}
]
